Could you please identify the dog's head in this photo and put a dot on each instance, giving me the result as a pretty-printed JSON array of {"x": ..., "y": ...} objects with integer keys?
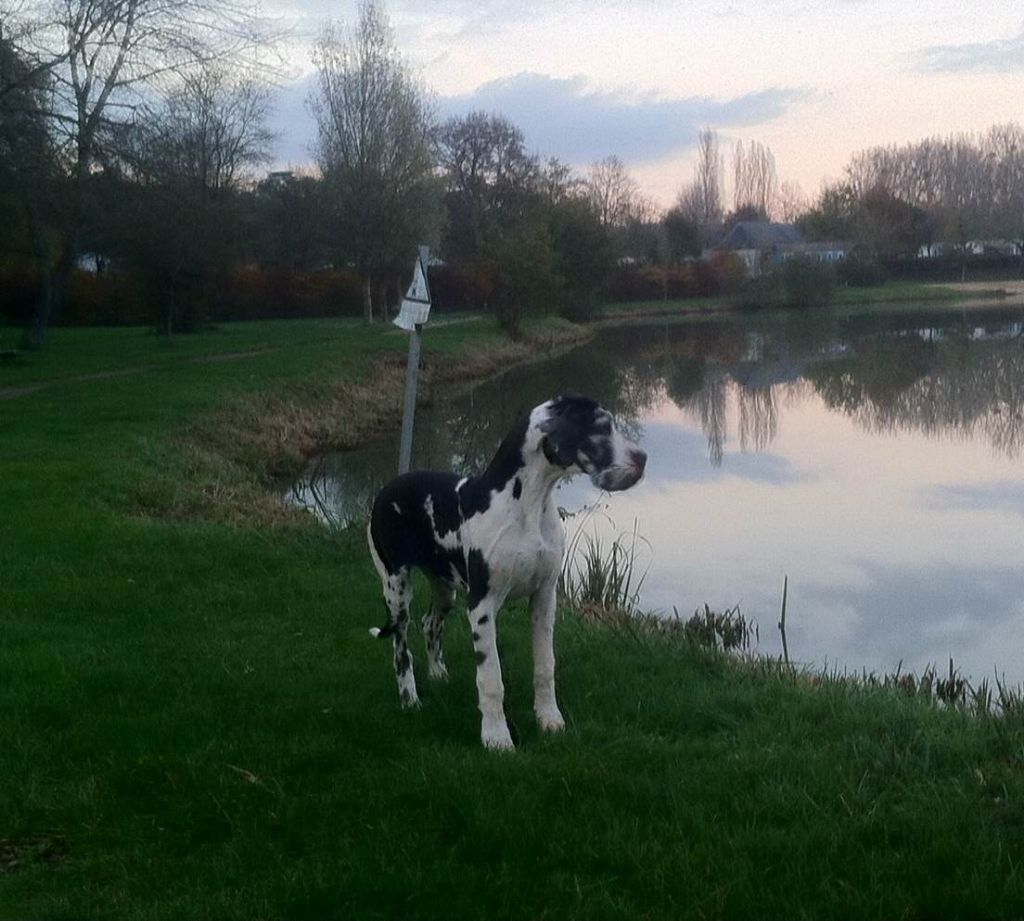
[{"x": 578, "y": 435}]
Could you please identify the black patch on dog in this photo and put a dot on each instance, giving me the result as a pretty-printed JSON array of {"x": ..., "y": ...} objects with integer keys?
[
  {"x": 517, "y": 488},
  {"x": 571, "y": 421},
  {"x": 483, "y": 620},
  {"x": 475, "y": 493},
  {"x": 476, "y": 637},
  {"x": 402, "y": 662},
  {"x": 407, "y": 538},
  {"x": 481, "y": 657}
]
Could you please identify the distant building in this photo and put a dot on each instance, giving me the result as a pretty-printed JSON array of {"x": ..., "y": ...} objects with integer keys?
[{"x": 762, "y": 245}]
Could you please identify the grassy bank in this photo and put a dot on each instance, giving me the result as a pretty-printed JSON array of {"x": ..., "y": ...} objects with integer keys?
[
  {"x": 196, "y": 723},
  {"x": 879, "y": 297}
]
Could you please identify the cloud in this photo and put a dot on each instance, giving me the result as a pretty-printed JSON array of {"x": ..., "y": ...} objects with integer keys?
[
  {"x": 1002, "y": 55},
  {"x": 293, "y": 124},
  {"x": 1005, "y": 497},
  {"x": 918, "y": 615},
  {"x": 570, "y": 119},
  {"x": 566, "y": 118}
]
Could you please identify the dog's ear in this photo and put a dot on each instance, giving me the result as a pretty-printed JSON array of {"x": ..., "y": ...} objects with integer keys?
[
  {"x": 561, "y": 438},
  {"x": 557, "y": 453}
]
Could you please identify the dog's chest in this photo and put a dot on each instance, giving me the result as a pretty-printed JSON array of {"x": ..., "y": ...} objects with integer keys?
[{"x": 523, "y": 547}]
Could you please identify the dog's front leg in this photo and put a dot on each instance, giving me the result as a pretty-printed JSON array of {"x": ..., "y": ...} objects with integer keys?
[
  {"x": 489, "y": 685},
  {"x": 542, "y": 613}
]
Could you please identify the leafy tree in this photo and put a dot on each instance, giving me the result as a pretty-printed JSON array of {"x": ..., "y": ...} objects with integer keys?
[
  {"x": 888, "y": 225},
  {"x": 29, "y": 167},
  {"x": 491, "y": 181},
  {"x": 682, "y": 236},
  {"x": 833, "y": 216},
  {"x": 287, "y": 214},
  {"x": 583, "y": 255}
]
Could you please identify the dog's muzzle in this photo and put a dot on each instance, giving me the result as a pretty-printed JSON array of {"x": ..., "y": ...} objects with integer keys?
[{"x": 615, "y": 479}]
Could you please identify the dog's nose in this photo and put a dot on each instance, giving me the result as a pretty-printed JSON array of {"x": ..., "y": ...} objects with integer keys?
[{"x": 638, "y": 459}]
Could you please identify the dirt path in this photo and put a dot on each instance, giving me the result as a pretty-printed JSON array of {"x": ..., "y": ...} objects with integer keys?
[{"x": 13, "y": 393}]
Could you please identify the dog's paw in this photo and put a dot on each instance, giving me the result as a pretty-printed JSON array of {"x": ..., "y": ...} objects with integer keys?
[
  {"x": 437, "y": 671},
  {"x": 551, "y": 720},
  {"x": 409, "y": 699},
  {"x": 497, "y": 739}
]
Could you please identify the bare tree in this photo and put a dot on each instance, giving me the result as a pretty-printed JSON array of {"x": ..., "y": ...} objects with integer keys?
[
  {"x": 374, "y": 147},
  {"x": 485, "y": 160},
  {"x": 210, "y": 132},
  {"x": 105, "y": 56},
  {"x": 791, "y": 202},
  {"x": 185, "y": 162},
  {"x": 755, "y": 182},
  {"x": 701, "y": 200},
  {"x": 1003, "y": 153},
  {"x": 953, "y": 179},
  {"x": 613, "y": 193},
  {"x": 708, "y": 178}
]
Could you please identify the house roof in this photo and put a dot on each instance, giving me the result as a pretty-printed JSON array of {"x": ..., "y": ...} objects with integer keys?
[{"x": 760, "y": 235}]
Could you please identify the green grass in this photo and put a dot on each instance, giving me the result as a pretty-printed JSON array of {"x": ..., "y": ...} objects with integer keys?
[{"x": 196, "y": 724}]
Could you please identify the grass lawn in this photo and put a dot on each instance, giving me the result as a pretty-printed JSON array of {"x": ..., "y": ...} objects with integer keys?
[{"x": 196, "y": 724}]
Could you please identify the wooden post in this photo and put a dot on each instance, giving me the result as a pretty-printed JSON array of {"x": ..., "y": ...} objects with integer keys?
[
  {"x": 782, "y": 621},
  {"x": 412, "y": 369}
]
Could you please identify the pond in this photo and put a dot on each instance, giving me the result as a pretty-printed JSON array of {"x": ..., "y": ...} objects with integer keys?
[{"x": 875, "y": 461}]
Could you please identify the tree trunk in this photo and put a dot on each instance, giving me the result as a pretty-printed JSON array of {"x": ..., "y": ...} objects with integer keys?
[
  {"x": 71, "y": 244},
  {"x": 35, "y": 337},
  {"x": 382, "y": 300},
  {"x": 367, "y": 299}
]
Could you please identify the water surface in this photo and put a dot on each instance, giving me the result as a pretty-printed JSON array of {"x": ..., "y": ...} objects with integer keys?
[{"x": 875, "y": 461}]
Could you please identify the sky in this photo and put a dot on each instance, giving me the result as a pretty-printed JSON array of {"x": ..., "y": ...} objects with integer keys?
[{"x": 816, "y": 82}]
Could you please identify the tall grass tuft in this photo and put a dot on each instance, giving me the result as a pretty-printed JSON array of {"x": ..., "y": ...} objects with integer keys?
[
  {"x": 726, "y": 631},
  {"x": 601, "y": 580}
]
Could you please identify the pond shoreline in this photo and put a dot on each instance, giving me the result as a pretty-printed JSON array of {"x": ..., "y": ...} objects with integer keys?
[
  {"x": 944, "y": 296},
  {"x": 263, "y": 437}
]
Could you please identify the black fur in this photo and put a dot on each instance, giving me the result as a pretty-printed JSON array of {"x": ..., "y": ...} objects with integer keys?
[{"x": 404, "y": 538}]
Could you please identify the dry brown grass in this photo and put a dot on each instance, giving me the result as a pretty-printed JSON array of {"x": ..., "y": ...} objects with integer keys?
[{"x": 229, "y": 460}]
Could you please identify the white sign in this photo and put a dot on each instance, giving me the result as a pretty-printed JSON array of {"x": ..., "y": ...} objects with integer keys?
[{"x": 416, "y": 303}]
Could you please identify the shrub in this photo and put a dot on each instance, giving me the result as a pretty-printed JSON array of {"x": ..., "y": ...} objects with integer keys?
[
  {"x": 722, "y": 274},
  {"x": 860, "y": 270},
  {"x": 807, "y": 283},
  {"x": 760, "y": 292}
]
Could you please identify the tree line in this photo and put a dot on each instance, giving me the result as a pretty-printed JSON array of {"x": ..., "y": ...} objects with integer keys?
[
  {"x": 132, "y": 133},
  {"x": 940, "y": 193}
]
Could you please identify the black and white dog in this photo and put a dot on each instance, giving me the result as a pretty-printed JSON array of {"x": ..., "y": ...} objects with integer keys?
[{"x": 499, "y": 536}]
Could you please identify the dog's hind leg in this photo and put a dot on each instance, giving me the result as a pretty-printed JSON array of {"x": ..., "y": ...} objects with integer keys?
[
  {"x": 433, "y": 627},
  {"x": 397, "y": 587},
  {"x": 398, "y": 596}
]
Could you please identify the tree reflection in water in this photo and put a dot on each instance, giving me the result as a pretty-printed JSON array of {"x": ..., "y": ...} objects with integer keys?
[{"x": 946, "y": 378}]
